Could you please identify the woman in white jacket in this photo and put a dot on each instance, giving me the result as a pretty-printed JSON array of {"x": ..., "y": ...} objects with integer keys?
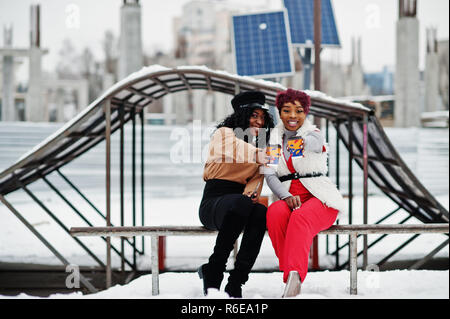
[{"x": 309, "y": 201}]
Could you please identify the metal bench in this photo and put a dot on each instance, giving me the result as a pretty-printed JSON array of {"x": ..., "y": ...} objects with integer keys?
[{"x": 159, "y": 231}]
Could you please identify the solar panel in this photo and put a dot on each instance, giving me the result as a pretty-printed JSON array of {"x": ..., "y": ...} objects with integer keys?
[
  {"x": 301, "y": 21},
  {"x": 262, "y": 45}
]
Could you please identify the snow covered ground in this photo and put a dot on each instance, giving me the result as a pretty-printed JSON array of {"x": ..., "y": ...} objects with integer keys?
[{"x": 399, "y": 284}]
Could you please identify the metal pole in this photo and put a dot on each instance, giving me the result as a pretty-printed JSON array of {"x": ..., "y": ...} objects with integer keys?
[
  {"x": 49, "y": 212},
  {"x": 365, "y": 189},
  {"x": 155, "y": 265},
  {"x": 353, "y": 264},
  {"x": 133, "y": 176},
  {"x": 317, "y": 45},
  {"x": 338, "y": 186},
  {"x": 317, "y": 42},
  {"x": 377, "y": 222},
  {"x": 80, "y": 193},
  {"x": 421, "y": 262},
  {"x": 142, "y": 176},
  {"x": 317, "y": 48},
  {"x": 307, "y": 64},
  {"x": 350, "y": 170},
  {"x": 83, "y": 280},
  {"x": 64, "y": 198},
  {"x": 107, "y": 110},
  {"x": 375, "y": 241},
  {"x": 385, "y": 259},
  {"x": 328, "y": 174},
  {"x": 350, "y": 175},
  {"x": 121, "y": 178},
  {"x": 88, "y": 201}
]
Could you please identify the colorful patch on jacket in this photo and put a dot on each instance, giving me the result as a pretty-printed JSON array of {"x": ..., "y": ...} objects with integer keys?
[{"x": 295, "y": 146}]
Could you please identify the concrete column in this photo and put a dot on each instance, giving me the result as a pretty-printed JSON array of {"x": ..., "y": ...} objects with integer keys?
[
  {"x": 180, "y": 104},
  {"x": 298, "y": 79},
  {"x": 168, "y": 109},
  {"x": 8, "y": 110},
  {"x": 222, "y": 106},
  {"x": 108, "y": 81},
  {"x": 208, "y": 108},
  {"x": 60, "y": 104},
  {"x": 83, "y": 95},
  {"x": 356, "y": 84},
  {"x": 131, "y": 57},
  {"x": 432, "y": 100},
  {"x": 443, "y": 53},
  {"x": 197, "y": 105},
  {"x": 35, "y": 110},
  {"x": 407, "y": 82}
]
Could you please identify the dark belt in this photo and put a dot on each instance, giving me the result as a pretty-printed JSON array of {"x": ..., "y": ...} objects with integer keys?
[{"x": 298, "y": 176}]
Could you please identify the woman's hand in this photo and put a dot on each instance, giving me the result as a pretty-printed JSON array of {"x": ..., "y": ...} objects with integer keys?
[
  {"x": 261, "y": 156},
  {"x": 293, "y": 202},
  {"x": 253, "y": 196}
]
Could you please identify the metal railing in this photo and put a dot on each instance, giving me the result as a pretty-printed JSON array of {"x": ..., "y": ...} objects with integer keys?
[{"x": 351, "y": 230}]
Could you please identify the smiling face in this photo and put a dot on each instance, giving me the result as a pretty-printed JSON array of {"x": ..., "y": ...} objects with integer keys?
[
  {"x": 257, "y": 120},
  {"x": 292, "y": 115}
]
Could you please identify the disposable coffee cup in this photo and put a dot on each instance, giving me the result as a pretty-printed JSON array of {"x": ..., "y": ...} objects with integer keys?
[{"x": 273, "y": 152}]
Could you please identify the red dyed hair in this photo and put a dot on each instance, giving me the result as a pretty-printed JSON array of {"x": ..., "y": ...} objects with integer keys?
[{"x": 291, "y": 95}]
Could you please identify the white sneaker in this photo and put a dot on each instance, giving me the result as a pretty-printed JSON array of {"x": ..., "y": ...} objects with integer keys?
[{"x": 293, "y": 285}]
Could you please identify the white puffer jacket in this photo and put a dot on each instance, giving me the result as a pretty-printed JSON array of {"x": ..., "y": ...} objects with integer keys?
[{"x": 320, "y": 187}]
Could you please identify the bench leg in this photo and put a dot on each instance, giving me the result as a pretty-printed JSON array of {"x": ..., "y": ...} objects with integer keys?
[
  {"x": 155, "y": 265},
  {"x": 353, "y": 264}
]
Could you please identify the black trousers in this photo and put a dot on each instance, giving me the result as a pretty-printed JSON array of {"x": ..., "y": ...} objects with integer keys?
[{"x": 232, "y": 214}]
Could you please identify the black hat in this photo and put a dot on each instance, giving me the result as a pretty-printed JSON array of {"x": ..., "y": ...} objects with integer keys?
[{"x": 253, "y": 99}]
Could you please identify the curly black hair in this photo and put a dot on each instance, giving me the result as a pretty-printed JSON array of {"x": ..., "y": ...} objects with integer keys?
[{"x": 240, "y": 119}]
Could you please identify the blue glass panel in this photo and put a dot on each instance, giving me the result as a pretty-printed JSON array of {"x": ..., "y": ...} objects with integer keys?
[
  {"x": 261, "y": 44},
  {"x": 301, "y": 21}
]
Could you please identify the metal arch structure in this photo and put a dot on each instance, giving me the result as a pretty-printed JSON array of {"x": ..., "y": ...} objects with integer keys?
[
  {"x": 131, "y": 96},
  {"x": 356, "y": 126}
]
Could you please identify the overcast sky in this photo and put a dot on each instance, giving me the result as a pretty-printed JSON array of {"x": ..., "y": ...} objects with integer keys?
[{"x": 373, "y": 20}]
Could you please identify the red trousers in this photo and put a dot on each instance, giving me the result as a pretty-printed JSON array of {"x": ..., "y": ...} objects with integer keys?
[{"x": 292, "y": 233}]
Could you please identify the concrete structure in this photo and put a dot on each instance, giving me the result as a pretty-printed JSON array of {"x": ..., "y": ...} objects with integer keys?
[
  {"x": 345, "y": 80},
  {"x": 7, "y": 111},
  {"x": 46, "y": 99},
  {"x": 432, "y": 99},
  {"x": 56, "y": 93},
  {"x": 130, "y": 43},
  {"x": 197, "y": 28},
  {"x": 443, "y": 56},
  {"x": 35, "y": 110},
  {"x": 407, "y": 80},
  {"x": 334, "y": 79},
  {"x": 355, "y": 84},
  {"x": 196, "y": 43}
]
